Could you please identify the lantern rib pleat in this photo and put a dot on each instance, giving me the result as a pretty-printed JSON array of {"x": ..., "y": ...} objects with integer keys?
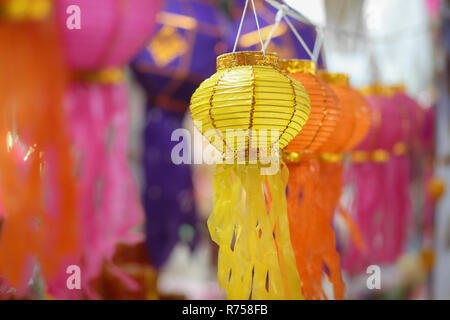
[{"x": 294, "y": 107}]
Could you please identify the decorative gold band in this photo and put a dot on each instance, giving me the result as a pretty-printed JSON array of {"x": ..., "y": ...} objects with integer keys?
[
  {"x": 378, "y": 156},
  {"x": 248, "y": 58},
  {"x": 292, "y": 157},
  {"x": 382, "y": 90},
  {"x": 332, "y": 157},
  {"x": 22, "y": 10},
  {"x": 335, "y": 78},
  {"x": 400, "y": 149},
  {"x": 360, "y": 156},
  {"x": 106, "y": 76},
  {"x": 298, "y": 66}
]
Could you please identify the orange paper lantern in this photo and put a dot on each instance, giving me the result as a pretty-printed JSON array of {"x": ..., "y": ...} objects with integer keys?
[
  {"x": 325, "y": 111},
  {"x": 355, "y": 115},
  {"x": 311, "y": 232},
  {"x": 315, "y": 186}
]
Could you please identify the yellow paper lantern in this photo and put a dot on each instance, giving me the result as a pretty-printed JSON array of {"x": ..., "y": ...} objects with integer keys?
[
  {"x": 250, "y": 92},
  {"x": 250, "y": 95}
]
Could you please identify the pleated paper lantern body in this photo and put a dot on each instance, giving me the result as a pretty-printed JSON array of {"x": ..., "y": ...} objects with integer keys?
[
  {"x": 250, "y": 92},
  {"x": 311, "y": 233},
  {"x": 414, "y": 113},
  {"x": 325, "y": 111},
  {"x": 249, "y": 220},
  {"x": 355, "y": 115},
  {"x": 37, "y": 185},
  {"x": 391, "y": 129}
]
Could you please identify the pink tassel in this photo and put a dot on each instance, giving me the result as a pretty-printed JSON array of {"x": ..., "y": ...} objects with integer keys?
[{"x": 108, "y": 196}]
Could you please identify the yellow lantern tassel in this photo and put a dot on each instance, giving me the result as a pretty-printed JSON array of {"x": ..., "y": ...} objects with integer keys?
[{"x": 256, "y": 259}]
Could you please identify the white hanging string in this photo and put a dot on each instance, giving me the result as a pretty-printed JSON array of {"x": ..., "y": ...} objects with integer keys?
[
  {"x": 257, "y": 26},
  {"x": 278, "y": 19},
  {"x": 281, "y": 14},
  {"x": 322, "y": 53},
  {"x": 240, "y": 26},
  {"x": 259, "y": 29},
  {"x": 295, "y": 15},
  {"x": 318, "y": 44},
  {"x": 299, "y": 38}
]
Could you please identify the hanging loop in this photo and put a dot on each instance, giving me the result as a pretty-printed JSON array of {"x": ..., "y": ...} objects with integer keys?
[
  {"x": 263, "y": 49},
  {"x": 297, "y": 35},
  {"x": 282, "y": 14},
  {"x": 278, "y": 19},
  {"x": 318, "y": 44}
]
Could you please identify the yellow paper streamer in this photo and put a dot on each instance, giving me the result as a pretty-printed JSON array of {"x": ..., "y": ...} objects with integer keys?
[{"x": 256, "y": 259}]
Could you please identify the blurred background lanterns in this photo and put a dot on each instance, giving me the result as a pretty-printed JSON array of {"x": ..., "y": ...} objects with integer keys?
[
  {"x": 404, "y": 155},
  {"x": 38, "y": 231},
  {"x": 384, "y": 216},
  {"x": 96, "y": 108}
]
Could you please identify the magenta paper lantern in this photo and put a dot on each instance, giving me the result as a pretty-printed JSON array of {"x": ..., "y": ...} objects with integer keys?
[
  {"x": 111, "y": 33},
  {"x": 380, "y": 175}
]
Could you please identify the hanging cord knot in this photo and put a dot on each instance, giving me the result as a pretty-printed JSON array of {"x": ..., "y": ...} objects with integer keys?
[{"x": 263, "y": 49}]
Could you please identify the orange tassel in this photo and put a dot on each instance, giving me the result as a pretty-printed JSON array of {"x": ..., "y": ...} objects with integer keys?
[
  {"x": 37, "y": 191},
  {"x": 311, "y": 231}
]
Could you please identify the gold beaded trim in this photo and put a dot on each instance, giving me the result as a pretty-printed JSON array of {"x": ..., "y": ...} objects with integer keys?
[
  {"x": 332, "y": 157},
  {"x": 106, "y": 76},
  {"x": 21, "y": 10},
  {"x": 248, "y": 58},
  {"x": 335, "y": 78},
  {"x": 298, "y": 66}
]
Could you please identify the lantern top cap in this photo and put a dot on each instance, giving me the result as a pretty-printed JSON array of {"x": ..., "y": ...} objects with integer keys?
[
  {"x": 383, "y": 90},
  {"x": 19, "y": 10},
  {"x": 341, "y": 79},
  {"x": 248, "y": 58},
  {"x": 298, "y": 66},
  {"x": 399, "y": 87}
]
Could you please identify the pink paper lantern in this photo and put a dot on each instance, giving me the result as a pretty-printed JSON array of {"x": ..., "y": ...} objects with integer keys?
[
  {"x": 380, "y": 173},
  {"x": 111, "y": 33}
]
